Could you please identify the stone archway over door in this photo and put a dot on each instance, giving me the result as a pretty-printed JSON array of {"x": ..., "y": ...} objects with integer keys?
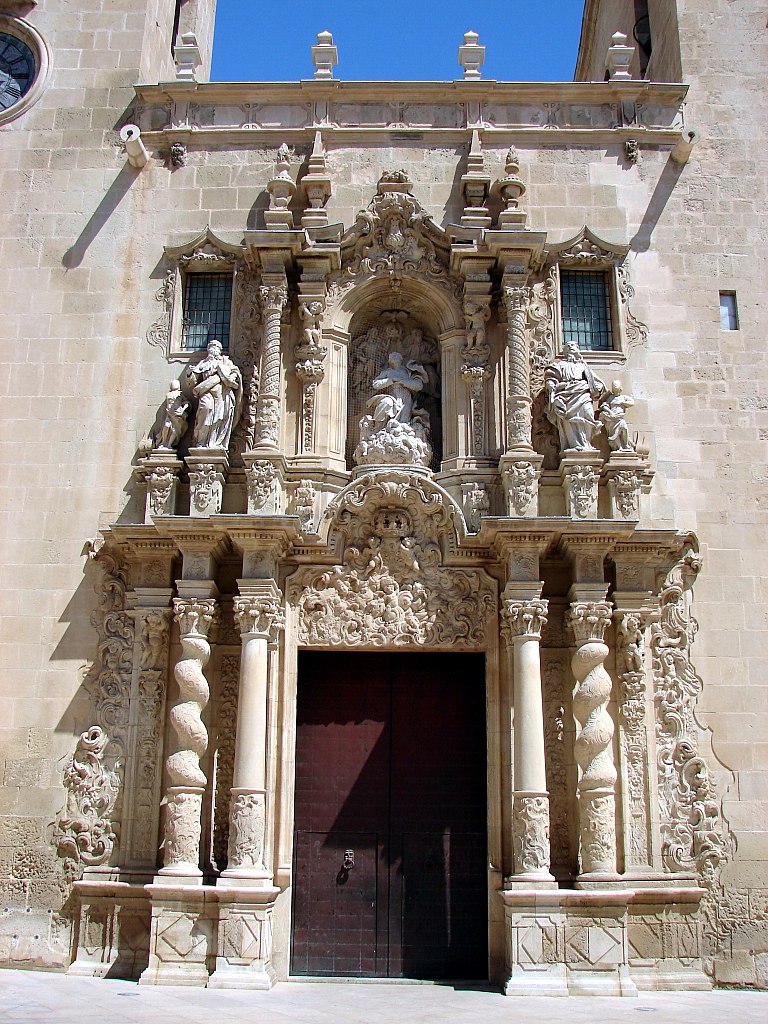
[{"x": 390, "y": 864}]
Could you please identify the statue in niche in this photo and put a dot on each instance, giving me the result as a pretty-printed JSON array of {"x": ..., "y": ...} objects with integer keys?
[
  {"x": 612, "y": 414},
  {"x": 175, "y": 415},
  {"x": 396, "y": 432},
  {"x": 571, "y": 389},
  {"x": 218, "y": 386}
]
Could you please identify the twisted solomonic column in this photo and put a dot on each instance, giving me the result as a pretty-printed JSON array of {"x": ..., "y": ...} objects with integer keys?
[
  {"x": 519, "y": 388},
  {"x": 184, "y": 798},
  {"x": 593, "y": 747},
  {"x": 522, "y": 622},
  {"x": 259, "y": 612},
  {"x": 273, "y": 301}
]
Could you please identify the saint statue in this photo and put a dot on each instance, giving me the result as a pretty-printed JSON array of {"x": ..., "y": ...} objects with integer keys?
[
  {"x": 175, "y": 413},
  {"x": 612, "y": 414},
  {"x": 395, "y": 432},
  {"x": 571, "y": 389},
  {"x": 218, "y": 386},
  {"x": 402, "y": 382}
]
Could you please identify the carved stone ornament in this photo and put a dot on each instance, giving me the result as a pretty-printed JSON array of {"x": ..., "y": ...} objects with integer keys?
[
  {"x": 109, "y": 681},
  {"x": 159, "y": 334},
  {"x": 691, "y": 824},
  {"x": 521, "y": 484},
  {"x": 260, "y": 615},
  {"x": 181, "y": 842},
  {"x": 523, "y": 619},
  {"x": 84, "y": 834},
  {"x": 226, "y": 719},
  {"x": 625, "y": 488},
  {"x": 310, "y": 368},
  {"x": 632, "y": 712},
  {"x": 260, "y": 481},
  {"x": 151, "y": 684},
  {"x": 205, "y": 488},
  {"x": 246, "y": 829},
  {"x": 475, "y": 377},
  {"x": 396, "y": 237},
  {"x": 302, "y": 504},
  {"x": 581, "y": 491},
  {"x": 390, "y": 589},
  {"x": 530, "y": 833},
  {"x": 477, "y": 503}
]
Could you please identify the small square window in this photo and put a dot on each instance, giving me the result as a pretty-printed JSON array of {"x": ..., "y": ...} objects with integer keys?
[
  {"x": 729, "y": 313},
  {"x": 207, "y": 311},
  {"x": 586, "y": 309}
]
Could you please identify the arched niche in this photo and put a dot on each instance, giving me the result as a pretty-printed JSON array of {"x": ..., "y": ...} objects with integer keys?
[{"x": 418, "y": 318}]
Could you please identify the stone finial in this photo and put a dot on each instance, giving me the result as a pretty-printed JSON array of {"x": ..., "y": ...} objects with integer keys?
[
  {"x": 316, "y": 186},
  {"x": 619, "y": 57},
  {"x": 281, "y": 188},
  {"x": 475, "y": 186},
  {"x": 471, "y": 55},
  {"x": 511, "y": 188},
  {"x": 186, "y": 55},
  {"x": 324, "y": 55}
]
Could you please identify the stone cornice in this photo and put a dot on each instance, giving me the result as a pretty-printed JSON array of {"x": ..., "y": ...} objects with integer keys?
[{"x": 239, "y": 112}]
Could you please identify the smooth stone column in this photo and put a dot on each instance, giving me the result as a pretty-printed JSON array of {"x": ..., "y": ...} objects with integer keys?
[
  {"x": 522, "y": 622},
  {"x": 260, "y": 617}
]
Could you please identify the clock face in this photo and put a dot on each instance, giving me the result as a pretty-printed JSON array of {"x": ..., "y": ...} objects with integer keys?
[{"x": 17, "y": 69}]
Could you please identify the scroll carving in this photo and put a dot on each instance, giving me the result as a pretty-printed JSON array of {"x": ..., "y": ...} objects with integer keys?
[
  {"x": 692, "y": 832},
  {"x": 530, "y": 833},
  {"x": 84, "y": 834}
]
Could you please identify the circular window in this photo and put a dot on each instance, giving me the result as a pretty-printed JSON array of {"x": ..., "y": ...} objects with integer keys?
[{"x": 24, "y": 63}]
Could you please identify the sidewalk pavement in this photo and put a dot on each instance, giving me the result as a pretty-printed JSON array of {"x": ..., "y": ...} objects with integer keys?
[{"x": 36, "y": 997}]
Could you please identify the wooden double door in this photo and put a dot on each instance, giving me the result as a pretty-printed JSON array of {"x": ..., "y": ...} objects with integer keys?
[{"x": 390, "y": 865}]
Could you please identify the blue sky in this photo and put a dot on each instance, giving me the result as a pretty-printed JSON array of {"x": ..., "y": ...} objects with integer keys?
[{"x": 525, "y": 40}]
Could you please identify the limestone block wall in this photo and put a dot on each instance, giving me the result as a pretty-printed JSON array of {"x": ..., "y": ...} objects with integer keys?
[{"x": 71, "y": 276}]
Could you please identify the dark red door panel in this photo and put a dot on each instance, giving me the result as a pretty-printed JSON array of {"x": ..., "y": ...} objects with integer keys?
[{"x": 390, "y": 815}]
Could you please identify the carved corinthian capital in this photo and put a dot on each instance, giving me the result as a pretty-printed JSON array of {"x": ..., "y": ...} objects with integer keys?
[
  {"x": 260, "y": 616},
  {"x": 194, "y": 615},
  {"x": 523, "y": 619}
]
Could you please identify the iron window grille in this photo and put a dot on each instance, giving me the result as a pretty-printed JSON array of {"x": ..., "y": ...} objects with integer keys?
[
  {"x": 587, "y": 319},
  {"x": 207, "y": 311}
]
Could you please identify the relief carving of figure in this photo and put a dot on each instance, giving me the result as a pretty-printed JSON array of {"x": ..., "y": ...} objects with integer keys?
[
  {"x": 612, "y": 414},
  {"x": 218, "y": 386},
  {"x": 175, "y": 413},
  {"x": 571, "y": 389}
]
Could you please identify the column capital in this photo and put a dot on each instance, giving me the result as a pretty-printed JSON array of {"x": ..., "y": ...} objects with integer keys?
[
  {"x": 273, "y": 297},
  {"x": 259, "y": 609},
  {"x": 194, "y": 615},
  {"x": 588, "y": 620},
  {"x": 523, "y": 619}
]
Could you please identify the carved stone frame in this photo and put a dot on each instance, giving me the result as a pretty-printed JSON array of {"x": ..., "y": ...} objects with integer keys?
[
  {"x": 587, "y": 251},
  {"x": 205, "y": 253}
]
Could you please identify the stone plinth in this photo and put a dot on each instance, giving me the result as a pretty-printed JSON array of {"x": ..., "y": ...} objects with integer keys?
[
  {"x": 603, "y": 942},
  {"x": 182, "y": 946},
  {"x": 112, "y": 930},
  {"x": 244, "y": 945}
]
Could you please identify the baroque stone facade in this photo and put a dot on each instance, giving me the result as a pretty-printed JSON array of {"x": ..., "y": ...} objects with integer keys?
[{"x": 407, "y": 439}]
